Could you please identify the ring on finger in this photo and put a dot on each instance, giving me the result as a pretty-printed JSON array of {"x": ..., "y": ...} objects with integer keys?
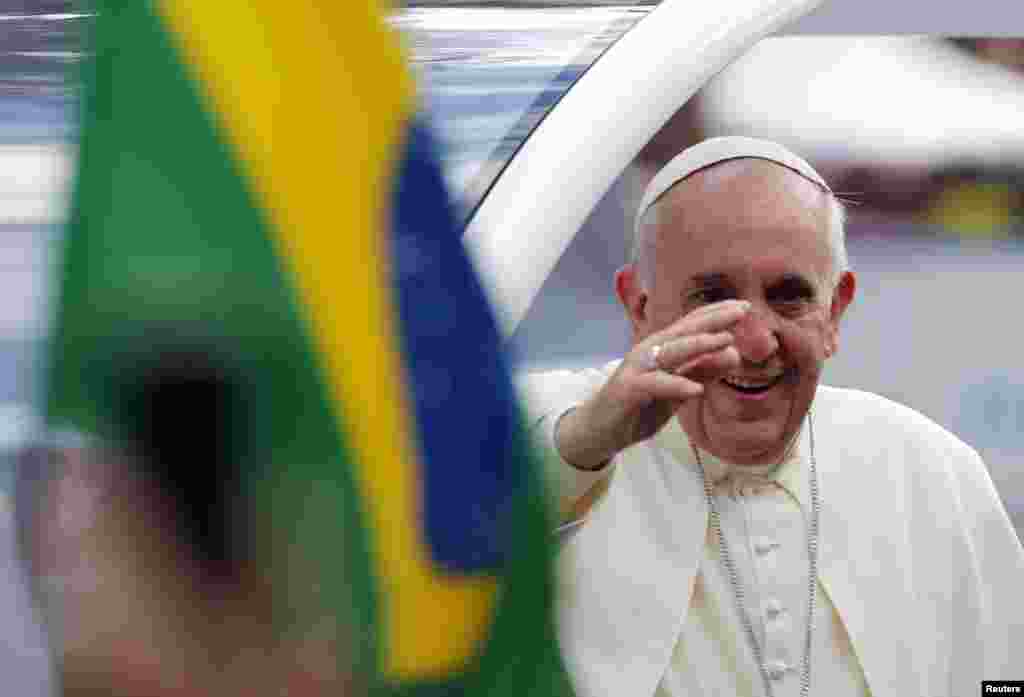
[{"x": 654, "y": 353}]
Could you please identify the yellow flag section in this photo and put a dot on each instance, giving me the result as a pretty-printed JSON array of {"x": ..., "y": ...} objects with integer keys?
[{"x": 320, "y": 141}]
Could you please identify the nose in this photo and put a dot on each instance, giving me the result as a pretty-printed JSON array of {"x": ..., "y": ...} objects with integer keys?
[{"x": 756, "y": 337}]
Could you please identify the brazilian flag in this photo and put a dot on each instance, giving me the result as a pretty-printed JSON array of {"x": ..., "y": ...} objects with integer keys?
[{"x": 259, "y": 210}]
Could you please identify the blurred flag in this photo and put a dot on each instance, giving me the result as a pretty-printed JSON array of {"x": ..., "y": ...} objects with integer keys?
[{"x": 264, "y": 298}]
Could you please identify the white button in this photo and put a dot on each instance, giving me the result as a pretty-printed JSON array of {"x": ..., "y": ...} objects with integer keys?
[
  {"x": 775, "y": 669},
  {"x": 772, "y": 608},
  {"x": 762, "y": 547}
]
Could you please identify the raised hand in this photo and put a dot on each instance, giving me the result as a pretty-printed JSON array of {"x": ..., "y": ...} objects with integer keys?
[{"x": 660, "y": 373}]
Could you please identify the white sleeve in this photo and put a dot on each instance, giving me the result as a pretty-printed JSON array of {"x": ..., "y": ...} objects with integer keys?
[{"x": 547, "y": 398}]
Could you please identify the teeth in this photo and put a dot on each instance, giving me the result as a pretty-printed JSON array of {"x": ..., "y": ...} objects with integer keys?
[{"x": 751, "y": 383}]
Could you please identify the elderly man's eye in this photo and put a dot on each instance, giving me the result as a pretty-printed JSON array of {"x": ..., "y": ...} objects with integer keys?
[
  {"x": 707, "y": 296},
  {"x": 792, "y": 298},
  {"x": 792, "y": 308},
  {"x": 793, "y": 293}
]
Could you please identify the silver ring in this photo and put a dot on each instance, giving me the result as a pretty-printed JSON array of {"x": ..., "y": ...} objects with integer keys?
[{"x": 655, "y": 352}]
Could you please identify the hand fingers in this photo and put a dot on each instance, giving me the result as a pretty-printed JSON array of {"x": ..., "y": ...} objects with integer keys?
[
  {"x": 676, "y": 353},
  {"x": 710, "y": 319},
  {"x": 661, "y": 386},
  {"x": 711, "y": 366}
]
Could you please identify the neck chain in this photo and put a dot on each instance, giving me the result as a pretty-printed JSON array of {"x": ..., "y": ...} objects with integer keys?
[{"x": 737, "y": 588}]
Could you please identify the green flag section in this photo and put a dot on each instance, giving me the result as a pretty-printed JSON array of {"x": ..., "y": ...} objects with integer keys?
[{"x": 263, "y": 295}]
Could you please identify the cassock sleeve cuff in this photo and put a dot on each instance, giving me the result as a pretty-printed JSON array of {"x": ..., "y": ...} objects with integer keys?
[{"x": 571, "y": 482}]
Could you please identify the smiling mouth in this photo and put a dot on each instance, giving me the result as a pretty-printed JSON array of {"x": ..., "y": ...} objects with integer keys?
[{"x": 752, "y": 386}]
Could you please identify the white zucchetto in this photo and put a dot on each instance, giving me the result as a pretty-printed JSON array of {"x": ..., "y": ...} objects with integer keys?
[{"x": 712, "y": 151}]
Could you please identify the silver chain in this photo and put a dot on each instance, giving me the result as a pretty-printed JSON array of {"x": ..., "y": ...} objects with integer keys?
[{"x": 737, "y": 587}]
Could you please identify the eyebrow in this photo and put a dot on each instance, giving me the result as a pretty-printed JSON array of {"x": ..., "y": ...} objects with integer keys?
[
  {"x": 789, "y": 279},
  {"x": 710, "y": 279}
]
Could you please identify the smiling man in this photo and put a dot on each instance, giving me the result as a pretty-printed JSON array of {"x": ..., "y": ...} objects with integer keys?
[{"x": 762, "y": 533}]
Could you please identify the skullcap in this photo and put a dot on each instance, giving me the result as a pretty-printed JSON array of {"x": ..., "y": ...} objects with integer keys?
[{"x": 712, "y": 151}]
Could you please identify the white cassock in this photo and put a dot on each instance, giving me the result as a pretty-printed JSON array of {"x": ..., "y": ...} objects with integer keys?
[{"x": 921, "y": 582}]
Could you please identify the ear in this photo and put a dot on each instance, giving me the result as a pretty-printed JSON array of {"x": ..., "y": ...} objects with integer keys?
[
  {"x": 630, "y": 291},
  {"x": 841, "y": 299}
]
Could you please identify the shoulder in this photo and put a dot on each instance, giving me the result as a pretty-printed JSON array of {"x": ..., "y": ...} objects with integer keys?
[
  {"x": 924, "y": 467},
  {"x": 872, "y": 421}
]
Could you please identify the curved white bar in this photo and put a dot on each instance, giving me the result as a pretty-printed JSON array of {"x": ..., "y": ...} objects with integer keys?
[{"x": 563, "y": 169}]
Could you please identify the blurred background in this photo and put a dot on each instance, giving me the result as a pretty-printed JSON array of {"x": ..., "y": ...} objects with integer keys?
[
  {"x": 922, "y": 136},
  {"x": 40, "y": 49}
]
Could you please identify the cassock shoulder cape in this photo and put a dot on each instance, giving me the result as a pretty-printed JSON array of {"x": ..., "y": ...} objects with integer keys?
[{"x": 916, "y": 552}]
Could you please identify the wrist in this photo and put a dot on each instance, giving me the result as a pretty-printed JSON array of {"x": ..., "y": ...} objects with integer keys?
[{"x": 581, "y": 442}]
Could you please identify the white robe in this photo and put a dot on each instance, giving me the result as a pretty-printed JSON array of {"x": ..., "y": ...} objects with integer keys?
[
  {"x": 765, "y": 522},
  {"x": 916, "y": 551}
]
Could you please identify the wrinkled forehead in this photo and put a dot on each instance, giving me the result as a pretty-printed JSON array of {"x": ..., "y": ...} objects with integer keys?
[
  {"x": 716, "y": 175},
  {"x": 740, "y": 210}
]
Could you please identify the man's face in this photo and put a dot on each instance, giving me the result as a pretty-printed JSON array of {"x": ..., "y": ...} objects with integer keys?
[{"x": 748, "y": 230}]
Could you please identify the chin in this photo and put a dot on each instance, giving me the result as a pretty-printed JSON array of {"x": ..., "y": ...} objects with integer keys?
[
  {"x": 752, "y": 453},
  {"x": 748, "y": 443}
]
